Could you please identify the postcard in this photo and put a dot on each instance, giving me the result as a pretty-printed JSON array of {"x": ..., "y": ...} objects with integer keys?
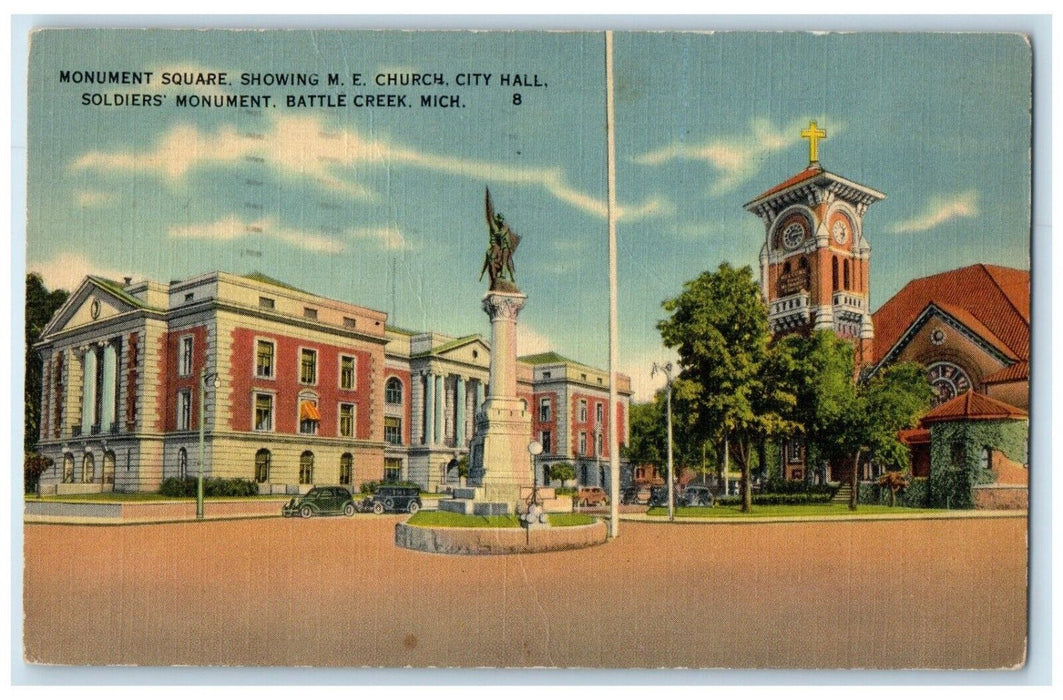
[{"x": 528, "y": 349}]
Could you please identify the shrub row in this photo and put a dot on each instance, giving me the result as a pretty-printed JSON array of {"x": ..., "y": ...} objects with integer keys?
[
  {"x": 915, "y": 495},
  {"x": 175, "y": 487},
  {"x": 779, "y": 499},
  {"x": 782, "y": 486}
]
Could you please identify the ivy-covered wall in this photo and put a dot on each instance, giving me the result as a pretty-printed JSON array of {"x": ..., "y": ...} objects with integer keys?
[
  {"x": 956, "y": 454},
  {"x": 914, "y": 495}
]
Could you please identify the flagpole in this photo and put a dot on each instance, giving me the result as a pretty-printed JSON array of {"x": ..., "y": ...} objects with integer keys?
[{"x": 614, "y": 457}]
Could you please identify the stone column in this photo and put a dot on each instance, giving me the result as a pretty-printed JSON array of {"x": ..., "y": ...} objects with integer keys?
[
  {"x": 437, "y": 428},
  {"x": 480, "y": 396},
  {"x": 109, "y": 387},
  {"x": 88, "y": 390},
  {"x": 429, "y": 407},
  {"x": 459, "y": 411},
  {"x": 500, "y": 464}
]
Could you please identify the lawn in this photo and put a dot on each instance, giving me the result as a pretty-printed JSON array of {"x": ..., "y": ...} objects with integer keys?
[
  {"x": 814, "y": 510},
  {"x": 439, "y": 518}
]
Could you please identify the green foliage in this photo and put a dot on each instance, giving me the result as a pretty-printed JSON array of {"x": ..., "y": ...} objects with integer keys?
[
  {"x": 562, "y": 471},
  {"x": 956, "y": 454},
  {"x": 914, "y": 495},
  {"x": 726, "y": 390},
  {"x": 780, "y": 499},
  {"x": 33, "y": 465},
  {"x": 41, "y": 305},
  {"x": 213, "y": 487}
]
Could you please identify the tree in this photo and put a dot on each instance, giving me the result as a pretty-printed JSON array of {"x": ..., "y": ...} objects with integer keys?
[
  {"x": 719, "y": 327},
  {"x": 895, "y": 482},
  {"x": 41, "y": 305},
  {"x": 647, "y": 441},
  {"x": 562, "y": 471},
  {"x": 892, "y": 400}
]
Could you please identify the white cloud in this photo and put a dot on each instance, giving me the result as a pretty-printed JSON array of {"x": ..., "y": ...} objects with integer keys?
[
  {"x": 939, "y": 210},
  {"x": 66, "y": 270},
  {"x": 387, "y": 237},
  {"x": 531, "y": 341},
  {"x": 736, "y": 158},
  {"x": 301, "y": 147},
  {"x": 94, "y": 198},
  {"x": 232, "y": 228}
]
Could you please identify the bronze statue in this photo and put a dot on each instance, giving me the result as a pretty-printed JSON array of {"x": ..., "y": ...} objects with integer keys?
[{"x": 502, "y": 242}]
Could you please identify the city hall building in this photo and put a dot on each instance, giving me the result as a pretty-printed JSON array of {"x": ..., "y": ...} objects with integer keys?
[{"x": 295, "y": 389}]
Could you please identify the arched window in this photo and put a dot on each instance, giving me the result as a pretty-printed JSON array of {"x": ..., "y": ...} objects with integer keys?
[
  {"x": 803, "y": 264},
  {"x": 986, "y": 461},
  {"x": 88, "y": 468},
  {"x": 262, "y": 460},
  {"x": 306, "y": 468},
  {"x": 346, "y": 466},
  {"x": 786, "y": 267},
  {"x": 182, "y": 463},
  {"x": 393, "y": 391},
  {"x": 68, "y": 468},
  {"x": 834, "y": 271},
  {"x": 846, "y": 273}
]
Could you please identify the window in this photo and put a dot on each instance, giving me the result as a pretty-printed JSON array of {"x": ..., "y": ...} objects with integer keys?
[
  {"x": 265, "y": 303},
  {"x": 88, "y": 467},
  {"x": 264, "y": 359},
  {"x": 599, "y": 412},
  {"x": 846, "y": 273},
  {"x": 583, "y": 410},
  {"x": 986, "y": 461},
  {"x": 190, "y": 296},
  {"x": 545, "y": 441},
  {"x": 546, "y": 375},
  {"x": 598, "y": 443},
  {"x": 583, "y": 442},
  {"x": 184, "y": 367},
  {"x": 793, "y": 450},
  {"x": 393, "y": 391},
  {"x": 306, "y": 468},
  {"x": 392, "y": 469},
  {"x": 184, "y": 410},
  {"x": 182, "y": 463},
  {"x": 310, "y": 313},
  {"x": 308, "y": 366},
  {"x": 544, "y": 410},
  {"x": 309, "y": 417},
  {"x": 392, "y": 430},
  {"x": 346, "y": 467},
  {"x": 349, "y": 322},
  {"x": 263, "y": 412},
  {"x": 262, "y": 459},
  {"x": 346, "y": 420},
  {"x": 346, "y": 372},
  {"x": 834, "y": 272}
]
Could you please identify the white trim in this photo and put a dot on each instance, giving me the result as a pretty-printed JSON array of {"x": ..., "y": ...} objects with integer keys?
[
  {"x": 339, "y": 419},
  {"x": 272, "y": 410},
  {"x": 177, "y": 422},
  {"x": 299, "y": 365},
  {"x": 181, "y": 370}
]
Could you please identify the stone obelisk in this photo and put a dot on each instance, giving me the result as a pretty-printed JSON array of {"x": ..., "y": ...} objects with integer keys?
[{"x": 499, "y": 464}]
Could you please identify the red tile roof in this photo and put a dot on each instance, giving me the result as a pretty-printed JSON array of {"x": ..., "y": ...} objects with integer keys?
[
  {"x": 972, "y": 406},
  {"x": 1018, "y": 372},
  {"x": 808, "y": 173},
  {"x": 993, "y": 301},
  {"x": 914, "y": 436}
]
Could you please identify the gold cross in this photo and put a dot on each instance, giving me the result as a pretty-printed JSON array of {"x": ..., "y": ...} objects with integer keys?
[{"x": 813, "y": 133}]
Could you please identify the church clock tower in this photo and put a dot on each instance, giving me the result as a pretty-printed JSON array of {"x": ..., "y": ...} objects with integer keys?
[{"x": 814, "y": 263}]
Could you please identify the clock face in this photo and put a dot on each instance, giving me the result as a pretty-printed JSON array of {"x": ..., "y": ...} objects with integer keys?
[
  {"x": 840, "y": 231},
  {"x": 793, "y": 235},
  {"x": 948, "y": 381}
]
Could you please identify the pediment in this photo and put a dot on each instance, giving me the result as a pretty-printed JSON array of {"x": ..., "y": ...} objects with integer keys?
[
  {"x": 470, "y": 351},
  {"x": 92, "y": 302}
]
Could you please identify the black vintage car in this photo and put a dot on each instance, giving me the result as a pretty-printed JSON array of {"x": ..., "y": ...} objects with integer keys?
[
  {"x": 659, "y": 496},
  {"x": 321, "y": 500},
  {"x": 394, "y": 499},
  {"x": 696, "y": 495}
]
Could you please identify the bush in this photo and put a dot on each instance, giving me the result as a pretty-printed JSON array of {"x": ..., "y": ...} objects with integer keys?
[
  {"x": 779, "y": 499},
  {"x": 213, "y": 487},
  {"x": 783, "y": 486}
]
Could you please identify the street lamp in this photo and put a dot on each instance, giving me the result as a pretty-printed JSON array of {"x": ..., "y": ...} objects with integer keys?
[
  {"x": 535, "y": 448},
  {"x": 207, "y": 380},
  {"x": 667, "y": 370}
]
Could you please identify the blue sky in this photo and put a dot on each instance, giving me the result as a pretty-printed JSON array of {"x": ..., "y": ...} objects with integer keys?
[{"x": 335, "y": 200}]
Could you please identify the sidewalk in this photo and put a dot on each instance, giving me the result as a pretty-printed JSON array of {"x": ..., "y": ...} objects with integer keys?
[{"x": 742, "y": 520}]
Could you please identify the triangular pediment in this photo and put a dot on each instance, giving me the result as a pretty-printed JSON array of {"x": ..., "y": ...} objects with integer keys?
[
  {"x": 94, "y": 301},
  {"x": 470, "y": 350},
  {"x": 954, "y": 321}
]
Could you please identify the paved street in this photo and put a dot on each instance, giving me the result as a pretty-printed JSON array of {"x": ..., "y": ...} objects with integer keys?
[{"x": 336, "y": 592}]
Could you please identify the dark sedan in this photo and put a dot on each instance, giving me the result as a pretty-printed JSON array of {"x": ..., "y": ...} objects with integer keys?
[{"x": 321, "y": 500}]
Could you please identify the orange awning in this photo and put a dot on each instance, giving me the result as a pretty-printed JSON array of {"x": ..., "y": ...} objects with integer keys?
[{"x": 308, "y": 411}]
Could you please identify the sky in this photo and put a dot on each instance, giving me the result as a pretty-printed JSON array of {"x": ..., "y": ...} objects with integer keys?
[{"x": 383, "y": 206}]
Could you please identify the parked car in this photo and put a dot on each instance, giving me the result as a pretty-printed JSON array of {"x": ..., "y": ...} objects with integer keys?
[
  {"x": 633, "y": 495},
  {"x": 394, "y": 499},
  {"x": 591, "y": 496},
  {"x": 696, "y": 495},
  {"x": 658, "y": 496},
  {"x": 321, "y": 500}
]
